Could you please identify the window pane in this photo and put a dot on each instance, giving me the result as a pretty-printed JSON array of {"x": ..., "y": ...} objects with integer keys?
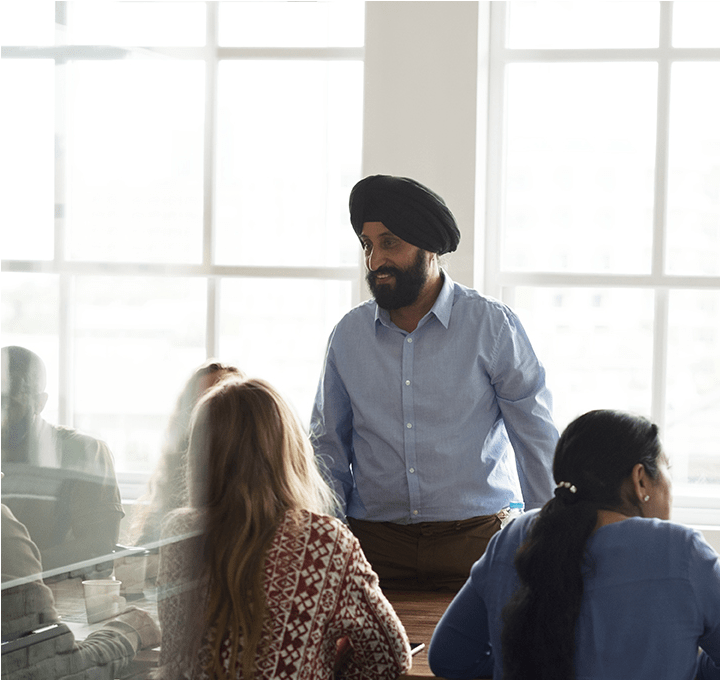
[
  {"x": 30, "y": 304},
  {"x": 693, "y": 237},
  {"x": 696, "y": 24},
  {"x": 292, "y": 24},
  {"x": 137, "y": 340},
  {"x": 560, "y": 25},
  {"x": 27, "y": 156},
  {"x": 278, "y": 329},
  {"x": 27, "y": 23},
  {"x": 596, "y": 346},
  {"x": 289, "y": 145},
  {"x": 692, "y": 429},
  {"x": 580, "y": 163},
  {"x": 135, "y": 161},
  {"x": 136, "y": 23}
]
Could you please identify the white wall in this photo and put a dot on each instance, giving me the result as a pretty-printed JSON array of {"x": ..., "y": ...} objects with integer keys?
[{"x": 421, "y": 106}]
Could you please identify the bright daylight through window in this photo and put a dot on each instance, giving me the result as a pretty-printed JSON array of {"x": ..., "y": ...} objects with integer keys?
[
  {"x": 178, "y": 197},
  {"x": 175, "y": 187},
  {"x": 605, "y": 215}
]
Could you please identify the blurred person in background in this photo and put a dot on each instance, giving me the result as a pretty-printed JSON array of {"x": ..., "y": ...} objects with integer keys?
[
  {"x": 598, "y": 584},
  {"x": 30, "y": 605},
  {"x": 167, "y": 488},
  {"x": 58, "y": 482},
  {"x": 261, "y": 582}
]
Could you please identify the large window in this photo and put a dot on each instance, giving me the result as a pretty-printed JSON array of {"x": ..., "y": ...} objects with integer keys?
[
  {"x": 175, "y": 179},
  {"x": 174, "y": 186},
  {"x": 604, "y": 212}
]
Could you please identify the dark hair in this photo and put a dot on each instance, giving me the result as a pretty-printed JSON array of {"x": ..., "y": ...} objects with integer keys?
[{"x": 595, "y": 454}]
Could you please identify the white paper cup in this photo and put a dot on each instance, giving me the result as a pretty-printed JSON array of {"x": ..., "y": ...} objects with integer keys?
[{"x": 102, "y": 599}]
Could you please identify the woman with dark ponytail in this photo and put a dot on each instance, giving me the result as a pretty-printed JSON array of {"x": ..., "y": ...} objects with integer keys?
[{"x": 597, "y": 584}]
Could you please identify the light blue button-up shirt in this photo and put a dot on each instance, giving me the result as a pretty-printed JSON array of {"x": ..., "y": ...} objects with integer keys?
[{"x": 415, "y": 427}]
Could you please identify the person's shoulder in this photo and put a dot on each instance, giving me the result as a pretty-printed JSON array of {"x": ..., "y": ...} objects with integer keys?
[
  {"x": 355, "y": 327},
  {"x": 656, "y": 542},
  {"x": 77, "y": 446},
  {"x": 181, "y": 521},
  {"x": 11, "y": 526},
  {"x": 504, "y": 543},
  {"x": 681, "y": 535},
  {"x": 326, "y": 528},
  {"x": 320, "y": 522},
  {"x": 471, "y": 301},
  {"x": 659, "y": 530},
  {"x": 360, "y": 314},
  {"x": 71, "y": 435},
  {"x": 7, "y": 514},
  {"x": 518, "y": 529}
]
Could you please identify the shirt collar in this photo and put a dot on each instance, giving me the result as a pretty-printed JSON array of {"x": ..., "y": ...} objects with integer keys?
[{"x": 441, "y": 309}]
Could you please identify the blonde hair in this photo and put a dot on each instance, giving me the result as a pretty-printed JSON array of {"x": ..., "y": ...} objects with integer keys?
[{"x": 249, "y": 463}]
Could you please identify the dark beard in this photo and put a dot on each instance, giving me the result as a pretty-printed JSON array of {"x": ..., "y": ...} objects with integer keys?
[{"x": 408, "y": 284}]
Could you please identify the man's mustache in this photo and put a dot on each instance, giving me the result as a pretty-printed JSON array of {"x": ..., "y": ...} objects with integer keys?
[{"x": 392, "y": 271}]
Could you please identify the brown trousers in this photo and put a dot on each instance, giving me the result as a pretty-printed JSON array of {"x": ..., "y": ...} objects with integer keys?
[{"x": 425, "y": 556}]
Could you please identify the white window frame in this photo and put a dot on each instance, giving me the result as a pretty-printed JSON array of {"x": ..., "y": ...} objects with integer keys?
[
  {"x": 701, "y": 507},
  {"x": 211, "y": 54}
]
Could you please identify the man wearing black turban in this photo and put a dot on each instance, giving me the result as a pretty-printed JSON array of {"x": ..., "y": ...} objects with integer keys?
[
  {"x": 397, "y": 219},
  {"x": 408, "y": 209},
  {"x": 423, "y": 389}
]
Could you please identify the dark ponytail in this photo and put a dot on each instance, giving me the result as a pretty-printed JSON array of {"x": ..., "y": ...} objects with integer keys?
[{"x": 594, "y": 455}]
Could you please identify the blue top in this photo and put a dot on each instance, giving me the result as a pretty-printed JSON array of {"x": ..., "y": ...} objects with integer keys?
[
  {"x": 652, "y": 597},
  {"x": 414, "y": 426}
]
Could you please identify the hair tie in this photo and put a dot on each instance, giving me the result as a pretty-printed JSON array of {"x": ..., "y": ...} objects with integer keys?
[
  {"x": 567, "y": 485},
  {"x": 566, "y": 491}
]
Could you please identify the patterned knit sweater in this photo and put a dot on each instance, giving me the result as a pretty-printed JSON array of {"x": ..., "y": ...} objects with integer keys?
[{"x": 319, "y": 588}]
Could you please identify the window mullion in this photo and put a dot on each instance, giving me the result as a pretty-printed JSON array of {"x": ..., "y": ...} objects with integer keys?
[
  {"x": 661, "y": 144},
  {"x": 212, "y": 325},
  {"x": 660, "y": 352},
  {"x": 496, "y": 151},
  {"x": 211, "y": 94},
  {"x": 662, "y": 294},
  {"x": 211, "y": 69},
  {"x": 66, "y": 339},
  {"x": 66, "y": 350}
]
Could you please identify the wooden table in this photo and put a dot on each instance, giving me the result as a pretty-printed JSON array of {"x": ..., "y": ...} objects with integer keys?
[{"x": 419, "y": 612}]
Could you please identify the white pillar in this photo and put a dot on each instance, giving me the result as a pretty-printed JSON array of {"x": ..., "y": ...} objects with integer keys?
[{"x": 421, "y": 106}]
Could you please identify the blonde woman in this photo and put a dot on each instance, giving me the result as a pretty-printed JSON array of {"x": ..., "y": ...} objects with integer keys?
[{"x": 259, "y": 582}]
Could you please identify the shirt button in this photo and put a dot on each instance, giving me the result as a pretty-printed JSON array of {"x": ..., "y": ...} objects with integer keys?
[
  {"x": 409, "y": 425},
  {"x": 409, "y": 339},
  {"x": 407, "y": 382},
  {"x": 415, "y": 512},
  {"x": 412, "y": 470}
]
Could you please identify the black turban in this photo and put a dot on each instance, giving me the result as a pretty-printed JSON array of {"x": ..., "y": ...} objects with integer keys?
[{"x": 408, "y": 209}]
